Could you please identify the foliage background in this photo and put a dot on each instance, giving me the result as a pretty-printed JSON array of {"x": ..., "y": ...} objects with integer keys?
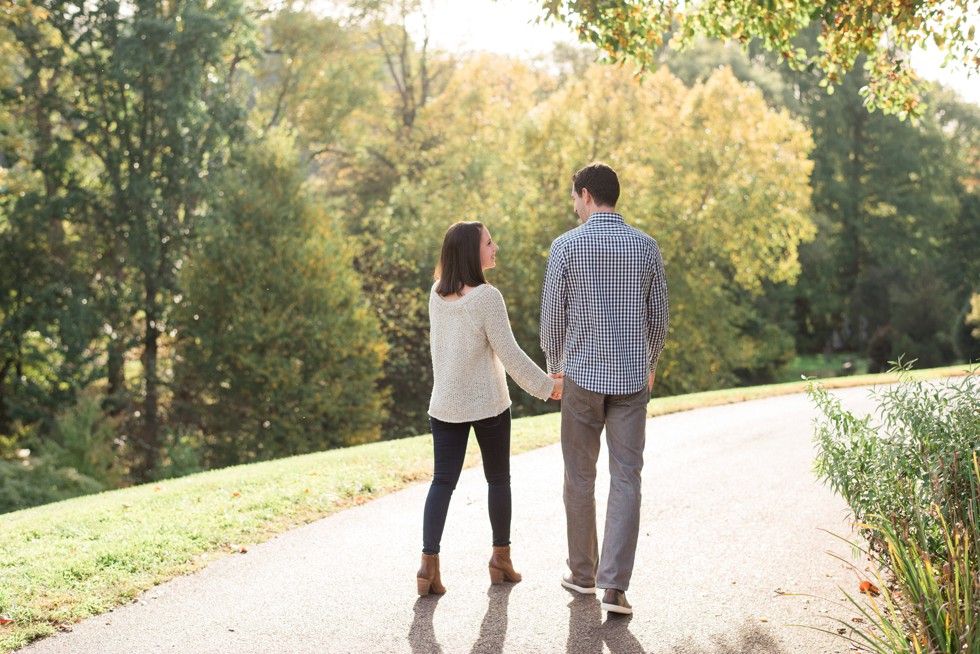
[{"x": 219, "y": 222}]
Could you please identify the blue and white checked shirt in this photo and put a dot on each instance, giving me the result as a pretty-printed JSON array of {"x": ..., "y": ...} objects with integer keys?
[{"x": 604, "y": 310}]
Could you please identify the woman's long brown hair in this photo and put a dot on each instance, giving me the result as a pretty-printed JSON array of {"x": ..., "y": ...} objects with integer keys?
[{"x": 459, "y": 262}]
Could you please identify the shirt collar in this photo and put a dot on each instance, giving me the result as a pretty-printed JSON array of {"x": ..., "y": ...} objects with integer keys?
[{"x": 606, "y": 216}]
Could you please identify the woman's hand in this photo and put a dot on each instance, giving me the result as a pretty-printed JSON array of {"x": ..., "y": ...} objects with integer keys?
[{"x": 556, "y": 391}]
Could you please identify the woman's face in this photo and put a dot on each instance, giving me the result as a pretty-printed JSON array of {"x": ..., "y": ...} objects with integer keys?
[{"x": 488, "y": 250}]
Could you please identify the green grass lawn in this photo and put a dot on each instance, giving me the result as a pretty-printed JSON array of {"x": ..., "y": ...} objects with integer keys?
[
  {"x": 66, "y": 561},
  {"x": 821, "y": 367}
]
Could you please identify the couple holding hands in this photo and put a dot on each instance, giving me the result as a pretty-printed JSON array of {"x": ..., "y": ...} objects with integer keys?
[{"x": 604, "y": 321}]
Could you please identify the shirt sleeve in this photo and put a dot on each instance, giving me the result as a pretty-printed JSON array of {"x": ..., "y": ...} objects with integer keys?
[
  {"x": 658, "y": 311},
  {"x": 554, "y": 310},
  {"x": 516, "y": 362}
]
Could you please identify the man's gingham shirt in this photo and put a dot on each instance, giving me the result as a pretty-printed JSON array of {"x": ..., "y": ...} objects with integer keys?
[{"x": 604, "y": 311}]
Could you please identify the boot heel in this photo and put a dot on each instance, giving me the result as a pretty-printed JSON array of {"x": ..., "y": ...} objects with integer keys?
[
  {"x": 501, "y": 567},
  {"x": 428, "y": 577}
]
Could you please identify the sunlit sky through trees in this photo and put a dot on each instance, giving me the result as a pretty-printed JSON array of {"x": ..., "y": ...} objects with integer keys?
[{"x": 509, "y": 27}]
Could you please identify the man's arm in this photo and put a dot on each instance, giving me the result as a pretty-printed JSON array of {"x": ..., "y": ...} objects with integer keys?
[
  {"x": 554, "y": 311},
  {"x": 658, "y": 314}
]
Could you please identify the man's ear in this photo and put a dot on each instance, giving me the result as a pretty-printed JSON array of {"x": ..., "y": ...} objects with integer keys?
[{"x": 586, "y": 196}]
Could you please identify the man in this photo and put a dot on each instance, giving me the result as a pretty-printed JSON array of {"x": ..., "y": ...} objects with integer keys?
[{"x": 604, "y": 321}]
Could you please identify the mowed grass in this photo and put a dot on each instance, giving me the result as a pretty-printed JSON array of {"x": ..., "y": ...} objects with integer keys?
[{"x": 67, "y": 561}]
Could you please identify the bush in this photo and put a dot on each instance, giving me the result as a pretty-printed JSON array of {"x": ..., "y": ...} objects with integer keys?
[
  {"x": 182, "y": 454},
  {"x": 77, "y": 455},
  {"x": 966, "y": 330},
  {"x": 28, "y": 483},
  {"x": 278, "y": 353},
  {"x": 913, "y": 482},
  {"x": 84, "y": 439}
]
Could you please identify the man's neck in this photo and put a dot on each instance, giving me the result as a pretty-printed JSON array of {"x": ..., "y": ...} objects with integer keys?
[{"x": 602, "y": 209}]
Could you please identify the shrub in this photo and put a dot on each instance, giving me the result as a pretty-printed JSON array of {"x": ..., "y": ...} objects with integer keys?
[
  {"x": 278, "y": 353},
  {"x": 966, "y": 330},
  {"x": 182, "y": 454},
  {"x": 28, "y": 483},
  {"x": 84, "y": 439},
  {"x": 913, "y": 482},
  {"x": 917, "y": 455}
]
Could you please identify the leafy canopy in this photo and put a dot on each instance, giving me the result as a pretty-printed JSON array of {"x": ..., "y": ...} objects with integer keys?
[{"x": 884, "y": 31}]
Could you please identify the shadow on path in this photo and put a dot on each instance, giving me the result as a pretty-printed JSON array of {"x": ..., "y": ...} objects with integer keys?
[
  {"x": 587, "y": 632},
  {"x": 750, "y": 639},
  {"x": 422, "y": 635},
  {"x": 493, "y": 630}
]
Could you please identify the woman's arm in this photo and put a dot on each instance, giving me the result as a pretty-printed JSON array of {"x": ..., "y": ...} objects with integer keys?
[{"x": 516, "y": 362}]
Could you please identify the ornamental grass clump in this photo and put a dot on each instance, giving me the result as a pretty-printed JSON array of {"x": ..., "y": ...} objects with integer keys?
[{"x": 911, "y": 475}]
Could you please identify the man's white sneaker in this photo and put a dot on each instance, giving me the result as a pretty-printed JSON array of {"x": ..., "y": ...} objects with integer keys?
[
  {"x": 614, "y": 601},
  {"x": 568, "y": 582}
]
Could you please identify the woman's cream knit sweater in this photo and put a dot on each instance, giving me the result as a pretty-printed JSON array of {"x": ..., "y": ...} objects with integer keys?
[{"x": 472, "y": 345}]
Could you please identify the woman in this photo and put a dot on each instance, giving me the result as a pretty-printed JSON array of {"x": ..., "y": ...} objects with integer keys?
[{"x": 472, "y": 346}]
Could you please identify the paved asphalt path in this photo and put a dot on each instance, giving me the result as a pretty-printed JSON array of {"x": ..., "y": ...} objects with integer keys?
[{"x": 733, "y": 519}]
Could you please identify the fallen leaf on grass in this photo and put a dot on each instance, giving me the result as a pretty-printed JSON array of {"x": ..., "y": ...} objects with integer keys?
[
  {"x": 5, "y": 620},
  {"x": 857, "y": 619},
  {"x": 870, "y": 588},
  {"x": 763, "y": 619}
]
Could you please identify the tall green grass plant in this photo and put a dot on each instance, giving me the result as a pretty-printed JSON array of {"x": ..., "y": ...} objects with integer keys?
[{"x": 912, "y": 478}]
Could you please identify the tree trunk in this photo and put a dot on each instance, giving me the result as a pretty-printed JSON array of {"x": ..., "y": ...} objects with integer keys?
[
  {"x": 4, "y": 418},
  {"x": 852, "y": 236},
  {"x": 150, "y": 430},
  {"x": 115, "y": 378}
]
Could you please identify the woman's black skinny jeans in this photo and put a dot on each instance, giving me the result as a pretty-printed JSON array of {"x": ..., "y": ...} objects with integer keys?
[{"x": 449, "y": 447}]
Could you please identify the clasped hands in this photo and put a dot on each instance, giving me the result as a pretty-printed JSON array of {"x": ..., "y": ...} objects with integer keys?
[{"x": 556, "y": 392}]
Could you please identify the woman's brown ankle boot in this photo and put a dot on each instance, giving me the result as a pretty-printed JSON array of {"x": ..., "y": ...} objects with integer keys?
[
  {"x": 501, "y": 568},
  {"x": 428, "y": 577}
]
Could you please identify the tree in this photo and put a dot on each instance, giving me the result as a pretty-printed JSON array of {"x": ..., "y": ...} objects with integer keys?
[
  {"x": 882, "y": 32},
  {"x": 315, "y": 75},
  {"x": 896, "y": 212},
  {"x": 728, "y": 211},
  {"x": 129, "y": 107},
  {"x": 156, "y": 109},
  {"x": 278, "y": 353},
  {"x": 385, "y": 155},
  {"x": 47, "y": 320}
]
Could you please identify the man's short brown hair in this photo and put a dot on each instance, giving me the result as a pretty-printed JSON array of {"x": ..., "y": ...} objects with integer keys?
[{"x": 602, "y": 182}]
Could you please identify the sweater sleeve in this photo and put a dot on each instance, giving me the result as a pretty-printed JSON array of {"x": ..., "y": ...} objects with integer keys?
[{"x": 516, "y": 362}]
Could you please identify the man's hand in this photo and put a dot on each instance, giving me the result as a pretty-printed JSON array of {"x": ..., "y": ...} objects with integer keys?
[{"x": 556, "y": 392}]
